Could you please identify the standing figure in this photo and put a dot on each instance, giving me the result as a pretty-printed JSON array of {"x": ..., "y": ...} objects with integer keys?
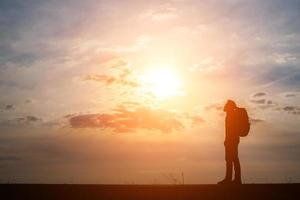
[{"x": 231, "y": 143}]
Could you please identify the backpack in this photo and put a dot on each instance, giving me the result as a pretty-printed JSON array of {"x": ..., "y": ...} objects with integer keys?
[{"x": 243, "y": 122}]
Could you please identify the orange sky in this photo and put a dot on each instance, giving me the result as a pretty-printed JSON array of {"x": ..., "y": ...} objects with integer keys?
[{"x": 132, "y": 91}]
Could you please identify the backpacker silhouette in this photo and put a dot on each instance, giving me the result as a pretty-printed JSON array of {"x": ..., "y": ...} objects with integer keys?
[{"x": 244, "y": 124}]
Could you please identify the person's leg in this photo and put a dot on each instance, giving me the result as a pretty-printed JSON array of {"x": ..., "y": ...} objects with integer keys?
[
  {"x": 228, "y": 175},
  {"x": 237, "y": 170},
  {"x": 237, "y": 166},
  {"x": 228, "y": 170},
  {"x": 229, "y": 166}
]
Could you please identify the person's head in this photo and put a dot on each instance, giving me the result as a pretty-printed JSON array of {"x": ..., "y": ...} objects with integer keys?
[{"x": 229, "y": 106}]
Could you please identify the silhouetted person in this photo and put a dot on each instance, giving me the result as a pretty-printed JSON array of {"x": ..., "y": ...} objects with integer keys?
[{"x": 232, "y": 139}]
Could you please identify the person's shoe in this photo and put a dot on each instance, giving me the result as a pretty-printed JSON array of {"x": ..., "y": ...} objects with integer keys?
[
  {"x": 225, "y": 182},
  {"x": 237, "y": 182}
]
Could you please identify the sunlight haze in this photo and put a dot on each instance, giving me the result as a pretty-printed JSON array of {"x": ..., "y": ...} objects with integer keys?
[{"x": 132, "y": 91}]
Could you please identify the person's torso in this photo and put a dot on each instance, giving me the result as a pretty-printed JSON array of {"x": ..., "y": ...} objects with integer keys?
[{"x": 231, "y": 124}]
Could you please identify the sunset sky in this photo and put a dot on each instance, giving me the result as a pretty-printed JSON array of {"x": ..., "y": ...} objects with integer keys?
[{"x": 132, "y": 91}]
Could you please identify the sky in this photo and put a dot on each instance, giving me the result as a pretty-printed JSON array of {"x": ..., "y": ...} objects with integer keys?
[{"x": 132, "y": 92}]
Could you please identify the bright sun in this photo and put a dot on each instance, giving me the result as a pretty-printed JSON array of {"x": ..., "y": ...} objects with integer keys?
[{"x": 162, "y": 82}]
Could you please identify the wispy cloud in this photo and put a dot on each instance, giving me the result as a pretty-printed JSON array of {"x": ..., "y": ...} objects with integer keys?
[
  {"x": 122, "y": 74},
  {"x": 255, "y": 120},
  {"x": 214, "y": 106},
  {"x": 291, "y": 109},
  {"x": 18, "y": 122},
  {"x": 9, "y": 107},
  {"x": 162, "y": 12},
  {"x": 259, "y": 94},
  {"x": 259, "y": 101},
  {"x": 109, "y": 80}
]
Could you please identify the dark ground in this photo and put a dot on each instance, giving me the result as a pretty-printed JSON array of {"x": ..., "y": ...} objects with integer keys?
[{"x": 151, "y": 192}]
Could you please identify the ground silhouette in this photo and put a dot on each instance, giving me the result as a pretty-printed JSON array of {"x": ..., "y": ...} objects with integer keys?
[{"x": 151, "y": 192}]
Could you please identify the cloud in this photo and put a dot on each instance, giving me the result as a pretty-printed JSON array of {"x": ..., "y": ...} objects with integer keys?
[
  {"x": 163, "y": 12},
  {"x": 112, "y": 61},
  {"x": 259, "y": 94},
  {"x": 101, "y": 78},
  {"x": 109, "y": 80},
  {"x": 28, "y": 101},
  {"x": 125, "y": 120},
  {"x": 259, "y": 101},
  {"x": 284, "y": 58},
  {"x": 259, "y": 98},
  {"x": 28, "y": 119},
  {"x": 255, "y": 121},
  {"x": 291, "y": 109},
  {"x": 216, "y": 106},
  {"x": 9, "y": 158},
  {"x": 207, "y": 64},
  {"x": 9, "y": 107},
  {"x": 290, "y": 95},
  {"x": 21, "y": 121},
  {"x": 121, "y": 74},
  {"x": 196, "y": 120}
]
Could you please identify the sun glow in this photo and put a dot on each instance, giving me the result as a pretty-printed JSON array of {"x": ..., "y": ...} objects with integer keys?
[{"x": 162, "y": 82}]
